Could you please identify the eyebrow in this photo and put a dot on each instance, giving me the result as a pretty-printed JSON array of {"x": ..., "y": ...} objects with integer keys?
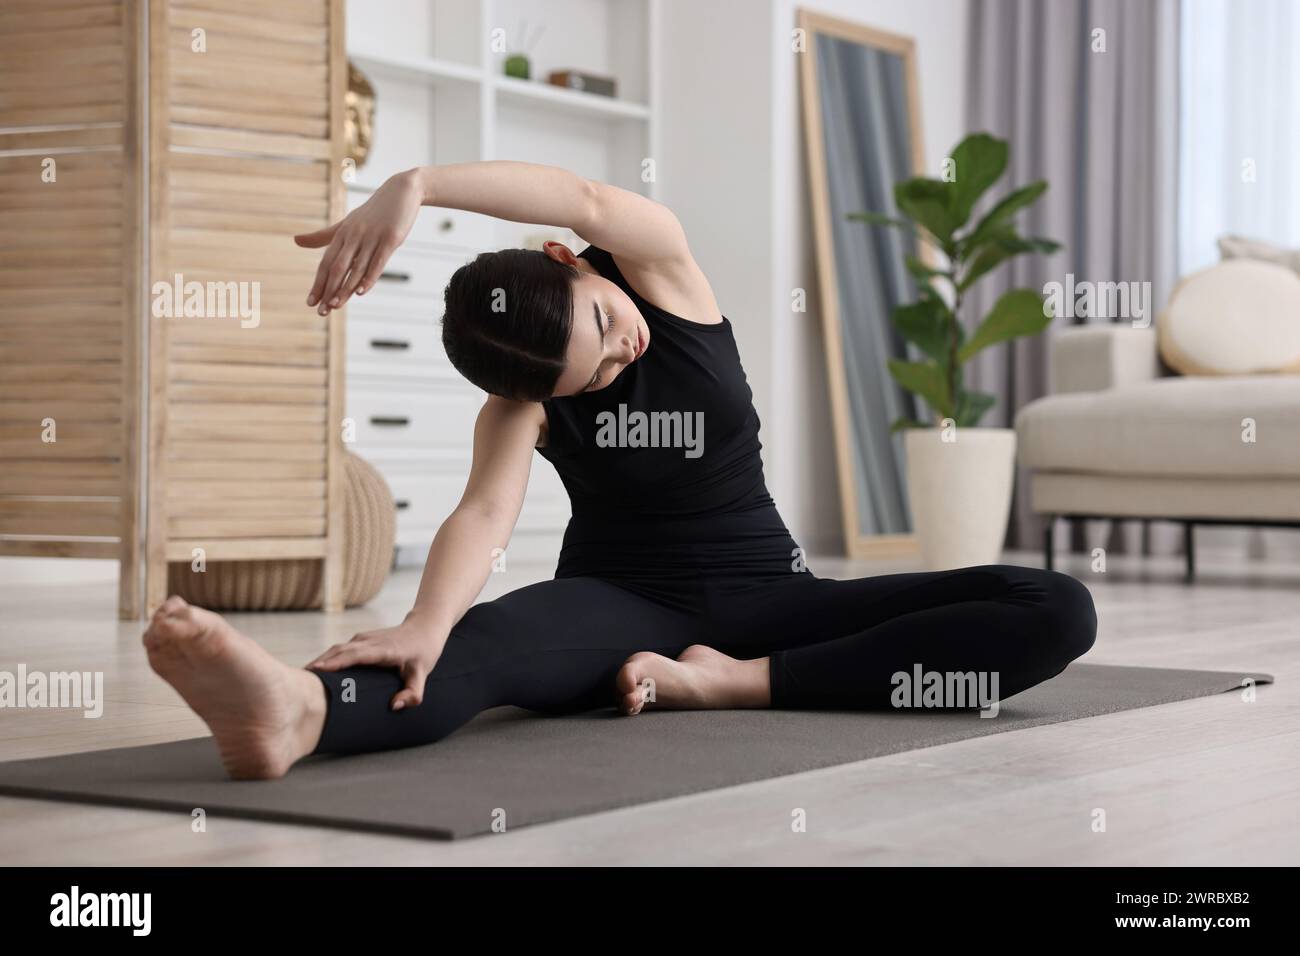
[{"x": 600, "y": 330}]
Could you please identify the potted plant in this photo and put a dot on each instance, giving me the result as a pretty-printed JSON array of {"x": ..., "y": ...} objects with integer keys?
[{"x": 959, "y": 476}]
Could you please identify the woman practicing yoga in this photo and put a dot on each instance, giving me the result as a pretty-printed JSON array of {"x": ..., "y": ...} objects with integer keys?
[{"x": 677, "y": 585}]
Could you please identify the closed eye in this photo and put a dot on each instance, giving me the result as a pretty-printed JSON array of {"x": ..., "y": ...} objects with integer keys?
[{"x": 603, "y": 325}]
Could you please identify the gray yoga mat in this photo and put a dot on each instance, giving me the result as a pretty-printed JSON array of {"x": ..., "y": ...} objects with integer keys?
[{"x": 538, "y": 769}]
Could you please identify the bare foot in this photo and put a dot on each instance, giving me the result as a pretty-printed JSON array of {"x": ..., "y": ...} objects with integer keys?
[
  {"x": 700, "y": 679},
  {"x": 264, "y": 715}
]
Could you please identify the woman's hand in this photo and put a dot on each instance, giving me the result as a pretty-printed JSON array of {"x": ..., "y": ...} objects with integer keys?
[
  {"x": 412, "y": 647},
  {"x": 361, "y": 242}
]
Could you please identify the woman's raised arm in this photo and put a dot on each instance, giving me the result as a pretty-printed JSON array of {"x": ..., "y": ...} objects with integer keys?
[{"x": 630, "y": 226}]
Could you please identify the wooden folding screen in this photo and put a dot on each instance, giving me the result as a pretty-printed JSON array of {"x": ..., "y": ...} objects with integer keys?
[
  {"x": 70, "y": 217},
  {"x": 246, "y": 149},
  {"x": 243, "y": 397}
]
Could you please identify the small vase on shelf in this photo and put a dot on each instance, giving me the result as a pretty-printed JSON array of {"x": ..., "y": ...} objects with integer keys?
[{"x": 517, "y": 65}]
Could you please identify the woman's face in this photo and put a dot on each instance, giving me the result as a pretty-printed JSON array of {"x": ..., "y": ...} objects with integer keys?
[{"x": 609, "y": 333}]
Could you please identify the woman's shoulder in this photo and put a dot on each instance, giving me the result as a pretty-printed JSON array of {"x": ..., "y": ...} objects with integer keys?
[
  {"x": 677, "y": 290},
  {"x": 504, "y": 420}
]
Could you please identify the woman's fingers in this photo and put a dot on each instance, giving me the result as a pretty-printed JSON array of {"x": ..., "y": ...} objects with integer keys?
[
  {"x": 360, "y": 264},
  {"x": 314, "y": 240},
  {"x": 383, "y": 648},
  {"x": 376, "y": 267},
  {"x": 323, "y": 270},
  {"x": 332, "y": 652},
  {"x": 352, "y": 655},
  {"x": 412, "y": 694},
  {"x": 327, "y": 661},
  {"x": 336, "y": 273},
  {"x": 333, "y": 649},
  {"x": 357, "y": 252}
]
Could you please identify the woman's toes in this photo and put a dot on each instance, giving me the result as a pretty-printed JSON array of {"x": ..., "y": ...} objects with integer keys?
[
  {"x": 173, "y": 607},
  {"x": 180, "y": 628},
  {"x": 627, "y": 690},
  {"x": 629, "y": 674},
  {"x": 203, "y": 621},
  {"x": 632, "y": 683},
  {"x": 178, "y": 624},
  {"x": 161, "y": 631}
]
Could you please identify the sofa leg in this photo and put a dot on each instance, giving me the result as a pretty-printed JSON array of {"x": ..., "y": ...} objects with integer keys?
[
  {"x": 1047, "y": 542},
  {"x": 1189, "y": 552}
]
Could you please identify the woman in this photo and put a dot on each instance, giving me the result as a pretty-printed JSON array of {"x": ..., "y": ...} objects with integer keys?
[{"x": 677, "y": 586}]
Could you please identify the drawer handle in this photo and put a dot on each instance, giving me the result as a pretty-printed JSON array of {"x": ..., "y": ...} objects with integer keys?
[
  {"x": 389, "y": 420},
  {"x": 394, "y": 277},
  {"x": 397, "y": 344},
  {"x": 401, "y": 505}
]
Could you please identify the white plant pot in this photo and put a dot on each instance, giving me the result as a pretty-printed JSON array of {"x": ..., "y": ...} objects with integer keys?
[{"x": 960, "y": 493}]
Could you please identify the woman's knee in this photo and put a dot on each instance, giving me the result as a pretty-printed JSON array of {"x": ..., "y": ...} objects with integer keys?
[{"x": 1072, "y": 614}]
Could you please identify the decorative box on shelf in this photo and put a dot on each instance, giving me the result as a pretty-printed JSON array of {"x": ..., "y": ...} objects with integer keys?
[{"x": 584, "y": 82}]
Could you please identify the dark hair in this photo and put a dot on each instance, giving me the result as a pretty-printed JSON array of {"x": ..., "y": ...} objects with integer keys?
[{"x": 507, "y": 322}]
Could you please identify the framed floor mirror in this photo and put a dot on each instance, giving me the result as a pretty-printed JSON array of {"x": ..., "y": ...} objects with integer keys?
[{"x": 862, "y": 134}]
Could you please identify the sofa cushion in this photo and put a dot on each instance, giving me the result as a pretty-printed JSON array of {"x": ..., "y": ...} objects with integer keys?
[
  {"x": 1167, "y": 496},
  {"x": 1171, "y": 426},
  {"x": 1239, "y": 247},
  {"x": 1235, "y": 318}
]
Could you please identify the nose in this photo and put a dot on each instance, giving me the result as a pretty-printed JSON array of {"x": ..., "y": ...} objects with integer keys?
[{"x": 629, "y": 349}]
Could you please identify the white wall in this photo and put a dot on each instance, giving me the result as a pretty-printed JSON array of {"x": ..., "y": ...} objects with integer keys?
[
  {"x": 732, "y": 168},
  {"x": 714, "y": 168}
]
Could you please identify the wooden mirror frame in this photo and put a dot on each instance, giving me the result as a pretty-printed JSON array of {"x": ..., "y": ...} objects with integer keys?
[{"x": 856, "y": 544}]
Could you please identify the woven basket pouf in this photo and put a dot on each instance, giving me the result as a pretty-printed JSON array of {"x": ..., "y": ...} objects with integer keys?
[{"x": 369, "y": 531}]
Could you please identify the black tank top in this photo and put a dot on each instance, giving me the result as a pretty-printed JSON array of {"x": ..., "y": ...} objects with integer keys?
[{"x": 663, "y": 466}]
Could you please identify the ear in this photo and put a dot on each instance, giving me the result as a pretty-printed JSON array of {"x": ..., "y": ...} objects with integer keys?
[{"x": 560, "y": 253}]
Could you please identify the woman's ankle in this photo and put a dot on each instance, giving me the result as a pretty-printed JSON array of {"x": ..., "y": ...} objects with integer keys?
[
  {"x": 756, "y": 685},
  {"x": 311, "y": 719}
]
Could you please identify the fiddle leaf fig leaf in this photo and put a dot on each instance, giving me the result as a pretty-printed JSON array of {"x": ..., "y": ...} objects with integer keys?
[
  {"x": 1001, "y": 244},
  {"x": 1003, "y": 211},
  {"x": 971, "y": 407},
  {"x": 1019, "y": 312},
  {"x": 925, "y": 379},
  {"x": 925, "y": 277},
  {"x": 919, "y": 270},
  {"x": 978, "y": 161},
  {"x": 926, "y": 325},
  {"x": 986, "y": 260},
  {"x": 927, "y": 201}
]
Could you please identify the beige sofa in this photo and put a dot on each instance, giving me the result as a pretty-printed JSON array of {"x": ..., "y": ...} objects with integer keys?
[{"x": 1119, "y": 439}]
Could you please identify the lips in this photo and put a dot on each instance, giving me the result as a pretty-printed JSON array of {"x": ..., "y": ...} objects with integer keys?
[{"x": 640, "y": 344}]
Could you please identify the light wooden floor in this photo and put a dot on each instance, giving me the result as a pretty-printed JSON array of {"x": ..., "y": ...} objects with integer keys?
[{"x": 1209, "y": 781}]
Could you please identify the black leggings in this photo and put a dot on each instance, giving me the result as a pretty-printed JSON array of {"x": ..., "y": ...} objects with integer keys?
[{"x": 555, "y": 647}]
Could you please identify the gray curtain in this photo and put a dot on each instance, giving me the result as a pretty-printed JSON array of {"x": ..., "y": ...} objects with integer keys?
[
  {"x": 1101, "y": 128},
  {"x": 867, "y": 133}
]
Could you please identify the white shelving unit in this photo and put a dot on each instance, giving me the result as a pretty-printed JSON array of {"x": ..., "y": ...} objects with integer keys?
[
  {"x": 509, "y": 89},
  {"x": 442, "y": 97}
]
